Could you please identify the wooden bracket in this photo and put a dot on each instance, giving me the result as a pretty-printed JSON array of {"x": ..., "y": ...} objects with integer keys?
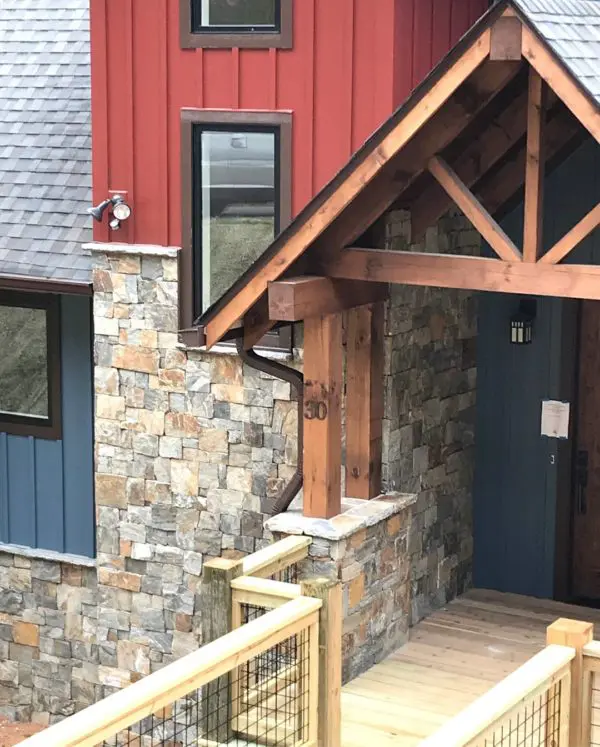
[
  {"x": 474, "y": 211},
  {"x": 574, "y": 237}
]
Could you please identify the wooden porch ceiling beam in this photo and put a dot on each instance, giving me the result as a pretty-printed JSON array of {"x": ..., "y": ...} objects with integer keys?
[
  {"x": 503, "y": 133},
  {"x": 561, "y": 82},
  {"x": 469, "y": 273},
  {"x": 574, "y": 237},
  {"x": 363, "y": 173},
  {"x": 534, "y": 170},
  {"x": 295, "y": 299},
  {"x": 474, "y": 211}
]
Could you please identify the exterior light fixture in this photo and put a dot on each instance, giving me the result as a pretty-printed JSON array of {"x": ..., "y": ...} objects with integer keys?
[
  {"x": 521, "y": 324},
  {"x": 120, "y": 211}
]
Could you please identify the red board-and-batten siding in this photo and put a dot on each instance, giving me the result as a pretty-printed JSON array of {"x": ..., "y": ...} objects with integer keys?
[{"x": 352, "y": 63}]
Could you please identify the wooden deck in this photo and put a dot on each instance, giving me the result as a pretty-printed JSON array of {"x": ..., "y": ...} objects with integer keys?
[{"x": 452, "y": 658}]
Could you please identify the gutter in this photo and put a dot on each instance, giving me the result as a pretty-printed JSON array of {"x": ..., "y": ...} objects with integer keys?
[{"x": 296, "y": 379}]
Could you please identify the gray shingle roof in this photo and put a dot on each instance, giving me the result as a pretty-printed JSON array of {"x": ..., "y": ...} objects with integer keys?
[
  {"x": 572, "y": 30},
  {"x": 45, "y": 139}
]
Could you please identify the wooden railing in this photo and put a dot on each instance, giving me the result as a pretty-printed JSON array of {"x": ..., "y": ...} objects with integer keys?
[
  {"x": 553, "y": 700},
  {"x": 269, "y": 674}
]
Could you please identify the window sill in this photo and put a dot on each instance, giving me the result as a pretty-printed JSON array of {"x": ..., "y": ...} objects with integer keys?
[{"x": 39, "y": 554}]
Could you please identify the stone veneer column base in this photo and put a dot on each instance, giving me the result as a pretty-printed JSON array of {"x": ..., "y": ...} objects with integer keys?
[{"x": 366, "y": 548}]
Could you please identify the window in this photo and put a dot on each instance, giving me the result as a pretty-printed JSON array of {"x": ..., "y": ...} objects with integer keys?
[
  {"x": 236, "y": 23},
  {"x": 29, "y": 365},
  {"x": 236, "y": 195}
]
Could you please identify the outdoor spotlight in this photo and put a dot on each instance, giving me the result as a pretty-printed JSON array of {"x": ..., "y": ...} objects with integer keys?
[{"x": 120, "y": 211}]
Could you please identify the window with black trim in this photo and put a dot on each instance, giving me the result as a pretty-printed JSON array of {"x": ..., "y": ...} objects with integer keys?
[
  {"x": 30, "y": 365},
  {"x": 237, "y": 186},
  {"x": 236, "y": 23}
]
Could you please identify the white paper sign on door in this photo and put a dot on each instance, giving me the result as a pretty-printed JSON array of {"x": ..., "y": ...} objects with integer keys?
[{"x": 555, "y": 418}]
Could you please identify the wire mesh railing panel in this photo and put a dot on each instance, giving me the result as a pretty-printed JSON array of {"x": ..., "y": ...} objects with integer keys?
[
  {"x": 263, "y": 702},
  {"x": 595, "y": 711},
  {"x": 535, "y": 724},
  {"x": 288, "y": 575}
]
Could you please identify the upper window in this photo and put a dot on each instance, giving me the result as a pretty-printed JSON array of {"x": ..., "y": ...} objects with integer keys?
[
  {"x": 237, "y": 189},
  {"x": 236, "y": 23},
  {"x": 29, "y": 365}
]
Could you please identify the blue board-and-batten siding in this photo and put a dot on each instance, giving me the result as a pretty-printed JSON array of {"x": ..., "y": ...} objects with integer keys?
[
  {"x": 517, "y": 480},
  {"x": 46, "y": 487}
]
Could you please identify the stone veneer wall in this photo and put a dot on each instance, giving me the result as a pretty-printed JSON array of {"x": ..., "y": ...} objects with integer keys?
[
  {"x": 428, "y": 430},
  {"x": 191, "y": 448}
]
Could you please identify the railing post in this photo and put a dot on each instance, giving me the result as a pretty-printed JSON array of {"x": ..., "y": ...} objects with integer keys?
[
  {"x": 216, "y": 600},
  {"x": 575, "y": 634},
  {"x": 330, "y": 658}
]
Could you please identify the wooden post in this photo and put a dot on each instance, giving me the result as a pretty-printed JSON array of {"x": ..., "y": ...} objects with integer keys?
[
  {"x": 216, "y": 598},
  {"x": 322, "y": 416},
  {"x": 330, "y": 658},
  {"x": 364, "y": 401},
  {"x": 534, "y": 170},
  {"x": 575, "y": 634}
]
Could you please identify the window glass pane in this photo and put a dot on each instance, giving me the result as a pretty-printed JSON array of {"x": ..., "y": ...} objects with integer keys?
[
  {"x": 23, "y": 362},
  {"x": 244, "y": 13},
  {"x": 238, "y": 206}
]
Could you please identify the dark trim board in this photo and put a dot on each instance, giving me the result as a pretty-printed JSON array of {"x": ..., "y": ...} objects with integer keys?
[
  {"x": 281, "y": 38},
  {"x": 44, "y": 285},
  {"x": 282, "y": 121}
]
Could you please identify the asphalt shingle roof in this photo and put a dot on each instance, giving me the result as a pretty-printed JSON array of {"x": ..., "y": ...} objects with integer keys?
[
  {"x": 45, "y": 139},
  {"x": 572, "y": 30}
]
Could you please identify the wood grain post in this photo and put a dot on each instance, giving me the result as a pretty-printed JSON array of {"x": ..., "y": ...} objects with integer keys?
[
  {"x": 330, "y": 658},
  {"x": 364, "y": 400},
  {"x": 575, "y": 634},
  {"x": 216, "y": 600},
  {"x": 323, "y": 416}
]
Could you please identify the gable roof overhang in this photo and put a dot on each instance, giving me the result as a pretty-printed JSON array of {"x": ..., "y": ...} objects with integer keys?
[{"x": 473, "y": 102}]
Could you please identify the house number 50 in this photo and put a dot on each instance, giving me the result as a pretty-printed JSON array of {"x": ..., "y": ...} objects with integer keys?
[{"x": 315, "y": 410}]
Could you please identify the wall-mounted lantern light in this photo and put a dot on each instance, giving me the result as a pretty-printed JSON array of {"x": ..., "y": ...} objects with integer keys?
[
  {"x": 521, "y": 324},
  {"x": 121, "y": 211}
]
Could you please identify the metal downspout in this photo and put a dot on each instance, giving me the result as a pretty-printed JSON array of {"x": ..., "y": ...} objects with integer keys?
[{"x": 296, "y": 379}]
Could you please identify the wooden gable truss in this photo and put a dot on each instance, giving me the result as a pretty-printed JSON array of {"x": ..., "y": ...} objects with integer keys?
[{"x": 485, "y": 126}]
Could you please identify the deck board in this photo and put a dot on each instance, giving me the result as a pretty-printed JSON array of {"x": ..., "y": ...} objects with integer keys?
[{"x": 452, "y": 658}]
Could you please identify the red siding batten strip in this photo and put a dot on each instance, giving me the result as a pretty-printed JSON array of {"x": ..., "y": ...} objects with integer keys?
[
  {"x": 99, "y": 59},
  {"x": 235, "y": 77},
  {"x": 129, "y": 119},
  {"x": 162, "y": 86}
]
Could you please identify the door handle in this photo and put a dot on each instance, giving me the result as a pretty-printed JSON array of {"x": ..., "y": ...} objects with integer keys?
[{"x": 581, "y": 478}]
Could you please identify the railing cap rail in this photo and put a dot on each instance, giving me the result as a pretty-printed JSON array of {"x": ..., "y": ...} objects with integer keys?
[{"x": 518, "y": 687}]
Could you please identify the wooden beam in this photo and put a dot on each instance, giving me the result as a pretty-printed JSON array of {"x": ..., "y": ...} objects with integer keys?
[
  {"x": 479, "y": 156},
  {"x": 353, "y": 184},
  {"x": 450, "y": 121},
  {"x": 257, "y": 323},
  {"x": 503, "y": 183},
  {"x": 323, "y": 416},
  {"x": 534, "y": 170},
  {"x": 364, "y": 401},
  {"x": 574, "y": 237},
  {"x": 474, "y": 211},
  {"x": 506, "y": 39},
  {"x": 469, "y": 273},
  {"x": 561, "y": 82},
  {"x": 295, "y": 299}
]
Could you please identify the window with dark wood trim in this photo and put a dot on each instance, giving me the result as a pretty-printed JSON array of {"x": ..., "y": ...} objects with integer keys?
[
  {"x": 30, "y": 364},
  {"x": 236, "y": 198},
  {"x": 236, "y": 23}
]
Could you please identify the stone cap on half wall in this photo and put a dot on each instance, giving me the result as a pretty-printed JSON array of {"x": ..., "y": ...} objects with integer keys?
[{"x": 356, "y": 515}]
